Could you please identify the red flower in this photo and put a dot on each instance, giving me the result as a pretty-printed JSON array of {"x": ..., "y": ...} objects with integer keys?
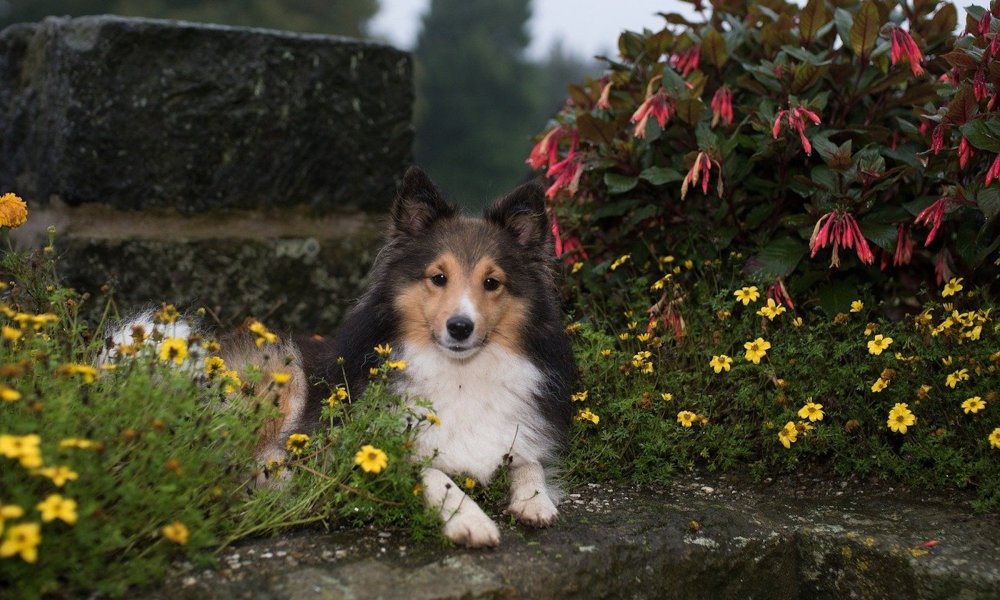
[
  {"x": 779, "y": 292},
  {"x": 904, "y": 246},
  {"x": 656, "y": 105},
  {"x": 605, "y": 100},
  {"x": 964, "y": 152},
  {"x": 700, "y": 170},
  {"x": 903, "y": 46},
  {"x": 979, "y": 87},
  {"x": 722, "y": 106},
  {"x": 566, "y": 175},
  {"x": 796, "y": 120},
  {"x": 984, "y": 23},
  {"x": 685, "y": 61},
  {"x": 546, "y": 151},
  {"x": 994, "y": 172},
  {"x": 932, "y": 216},
  {"x": 937, "y": 138},
  {"x": 840, "y": 230}
]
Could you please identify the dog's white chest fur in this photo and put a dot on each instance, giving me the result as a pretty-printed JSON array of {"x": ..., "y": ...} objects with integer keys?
[{"x": 486, "y": 407}]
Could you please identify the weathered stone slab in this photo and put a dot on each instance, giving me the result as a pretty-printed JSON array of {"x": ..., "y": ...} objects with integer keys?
[
  {"x": 712, "y": 539},
  {"x": 140, "y": 113}
]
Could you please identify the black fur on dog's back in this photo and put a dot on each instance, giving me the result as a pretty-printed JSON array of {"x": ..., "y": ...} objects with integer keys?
[{"x": 514, "y": 231}]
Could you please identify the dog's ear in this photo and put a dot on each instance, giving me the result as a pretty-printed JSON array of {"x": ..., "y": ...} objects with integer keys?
[
  {"x": 522, "y": 212},
  {"x": 418, "y": 204}
]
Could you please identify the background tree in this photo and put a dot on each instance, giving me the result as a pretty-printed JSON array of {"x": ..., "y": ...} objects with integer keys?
[{"x": 342, "y": 17}]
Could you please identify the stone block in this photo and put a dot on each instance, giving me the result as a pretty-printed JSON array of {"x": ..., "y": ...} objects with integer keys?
[{"x": 142, "y": 113}]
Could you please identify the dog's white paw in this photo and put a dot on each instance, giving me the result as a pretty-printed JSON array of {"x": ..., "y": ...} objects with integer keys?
[
  {"x": 472, "y": 528},
  {"x": 537, "y": 511}
]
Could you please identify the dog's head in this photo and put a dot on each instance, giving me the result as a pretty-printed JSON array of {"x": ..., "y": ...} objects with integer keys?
[{"x": 464, "y": 283}]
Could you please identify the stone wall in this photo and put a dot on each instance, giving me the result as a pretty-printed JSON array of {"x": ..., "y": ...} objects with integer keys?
[{"x": 239, "y": 169}]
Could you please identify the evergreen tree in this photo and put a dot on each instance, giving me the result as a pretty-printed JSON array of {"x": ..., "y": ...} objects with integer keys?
[{"x": 476, "y": 108}]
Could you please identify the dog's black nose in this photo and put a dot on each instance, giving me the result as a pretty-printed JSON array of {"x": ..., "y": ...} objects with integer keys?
[{"x": 460, "y": 328}]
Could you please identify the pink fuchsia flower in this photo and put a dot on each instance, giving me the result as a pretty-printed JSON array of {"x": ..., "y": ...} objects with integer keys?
[
  {"x": 700, "y": 170},
  {"x": 904, "y": 246},
  {"x": 964, "y": 152},
  {"x": 796, "y": 118},
  {"x": 605, "y": 100},
  {"x": 903, "y": 46},
  {"x": 565, "y": 174},
  {"x": 932, "y": 216},
  {"x": 779, "y": 293},
  {"x": 994, "y": 171},
  {"x": 686, "y": 61},
  {"x": 840, "y": 230},
  {"x": 657, "y": 105},
  {"x": 722, "y": 106},
  {"x": 546, "y": 151}
]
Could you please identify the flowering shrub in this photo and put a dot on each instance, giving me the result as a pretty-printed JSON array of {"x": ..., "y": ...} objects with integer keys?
[
  {"x": 913, "y": 401},
  {"x": 833, "y": 145}
]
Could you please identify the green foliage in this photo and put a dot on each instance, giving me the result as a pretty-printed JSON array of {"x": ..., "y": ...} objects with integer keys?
[
  {"x": 151, "y": 463},
  {"x": 803, "y": 137},
  {"x": 737, "y": 415},
  {"x": 320, "y": 16}
]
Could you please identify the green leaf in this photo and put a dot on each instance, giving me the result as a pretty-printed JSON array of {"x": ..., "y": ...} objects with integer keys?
[
  {"x": 690, "y": 110},
  {"x": 844, "y": 21},
  {"x": 660, "y": 175},
  {"x": 643, "y": 213},
  {"x": 883, "y": 234},
  {"x": 983, "y": 134},
  {"x": 962, "y": 106},
  {"x": 779, "y": 258},
  {"x": 613, "y": 209},
  {"x": 811, "y": 18},
  {"x": 864, "y": 30},
  {"x": 944, "y": 22},
  {"x": 836, "y": 297},
  {"x": 618, "y": 183},
  {"x": 988, "y": 200},
  {"x": 713, "y": 48}
]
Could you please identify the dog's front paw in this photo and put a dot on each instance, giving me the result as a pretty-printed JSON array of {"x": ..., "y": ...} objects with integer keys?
[
  {"x": 537, "y": 511},
  {"x": 472, "y": 529}
]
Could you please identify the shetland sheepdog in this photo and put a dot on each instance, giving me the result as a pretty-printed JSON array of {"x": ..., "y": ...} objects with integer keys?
[{"x": 471, "y": 305}]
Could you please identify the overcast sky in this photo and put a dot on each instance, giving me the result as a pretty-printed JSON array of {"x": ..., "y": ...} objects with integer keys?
[{"x": 587, "y": 27}]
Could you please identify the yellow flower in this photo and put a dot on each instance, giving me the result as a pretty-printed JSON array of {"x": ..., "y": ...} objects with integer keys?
[
  {"x": 953, "y": 286},
  {"x": 686, "y": 418},
  {"x": 383, "y": 349},
  {"x": 723, "y": 314},
  {"x": 771, "y": 310},
  {"x": 688, "y": 264},
  {"x": 623, "y": 336},
  {"x": 231, "y": 381},
  {"x": 747, "y": 295},
  {"x": 297, "y": 443},
  {"x": 869, "y": 329},
  {"x": 59, "y": 475},
  {"x": 606, "y": 352},
  {"x": 756, "y": 350},
  {"x": 811, "y": 411},
  {"x": 13, "y": 213},
  {"x": 19, "y": 446},
  {"x": 433, "y": 419},
  {"x": 621, "y": 260},
  {"x": 262, "y": 333},
  {"x": 587, "y": 415},
  {"x": 880, "y": 384},
  {"x": 214, "y": 365},
  {"x": 579, "y": 396},
  {"x": 9, "y": 511},
  {"x": 9, "y": 394},
  {"x": 211, "y": 346},
  {"x": 576, "y": 267},
  {"x": 973, "y": 405},
  {"x": 419, "y": 488},
  {"x": 36, "y": 322},
  {"x": 857, "y": 306},
  {"x": 878, "y": 344},
  {"x": 371, "y": 459},
  {"x": 23, "y": 540},
  {"x": 396, "y": 365},
  {"x": 10, "y": 334},
  {"x": 469, "y": 483},
  {"x": 667, "y": 396},
  {"x": 995, "y": 438},
  {"x": 953, "y": 379},
  {"x": 720, "y": 363},
  {"x": 281, "y": 377},
  {"x": 788, "y": 435},
  {"x": 56, "y": 507},
  {"x": 86, "y": 372},
  {"x": 176, "y": 532},
  {"x": 166, "y": 314},
  {"x": 174, "y": 349},
  {"x": 900, "y": 418},
  {"x": 339, "y": 394},
  {"x": 644, "y": 337},
  {"x": 797, "y": 321}
]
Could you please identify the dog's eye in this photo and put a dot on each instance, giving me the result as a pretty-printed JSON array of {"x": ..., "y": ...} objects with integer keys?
[
  {"x": 439, "y": 280},
  {"x": 491, "y": 284}
]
